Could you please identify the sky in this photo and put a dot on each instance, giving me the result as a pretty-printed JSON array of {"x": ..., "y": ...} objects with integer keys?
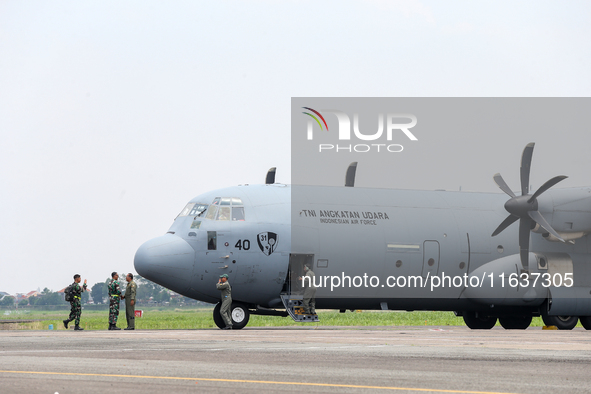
[{"x": 114, "y": 114}]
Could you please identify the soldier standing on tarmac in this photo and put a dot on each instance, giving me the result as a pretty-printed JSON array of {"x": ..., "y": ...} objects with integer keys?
[
  {"x": 114, "y": 298},
  {"x": 129, "y": 296},
  {"x": 76, "y": 304},
  {"x": 226, "y": 289}
]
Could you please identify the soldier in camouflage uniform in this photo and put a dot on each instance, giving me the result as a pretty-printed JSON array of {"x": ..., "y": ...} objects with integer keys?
[
  {"x": 309, "y": 291},
  {"x": 114, "y": 298},
  {"x": 129, "y": 296},
  {"x": 226, "y": 289},
  {"x": 76, "y": 304}
]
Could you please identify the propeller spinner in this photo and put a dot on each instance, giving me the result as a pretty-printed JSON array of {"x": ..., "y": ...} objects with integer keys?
[{"x": 525, "y": 207}]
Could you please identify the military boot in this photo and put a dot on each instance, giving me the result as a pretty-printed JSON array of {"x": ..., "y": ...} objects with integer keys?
[
  {"x": 66, "y": 323},
  {"x": 115, "y": 327},
  {"x": 78, "y": 328}
]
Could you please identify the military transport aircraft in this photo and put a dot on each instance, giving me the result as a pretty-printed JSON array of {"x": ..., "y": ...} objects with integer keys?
[{"x": 419, "y": 250}]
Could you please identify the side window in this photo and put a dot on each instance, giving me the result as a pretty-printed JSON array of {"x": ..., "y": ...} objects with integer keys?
[
  {"x": 237, "y": 213},
  {"x": 212, "y": 240}
]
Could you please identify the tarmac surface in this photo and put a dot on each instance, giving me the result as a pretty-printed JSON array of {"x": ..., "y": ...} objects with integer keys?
[{"x": 331, "y": 360}]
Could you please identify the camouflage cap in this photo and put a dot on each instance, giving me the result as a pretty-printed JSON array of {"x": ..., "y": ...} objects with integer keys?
[{"x": 224, "y": 276}]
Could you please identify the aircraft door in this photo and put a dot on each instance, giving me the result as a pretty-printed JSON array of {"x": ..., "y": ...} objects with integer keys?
[
  {"x": 293, "y": 293},
  {"x": 430, "y": 258},
  {"x": 293, "y": 285},
  {"x": 219, "y": 255}
]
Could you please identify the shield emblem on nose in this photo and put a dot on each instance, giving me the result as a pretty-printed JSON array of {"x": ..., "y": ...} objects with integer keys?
[{"x": 267, "y": 242}]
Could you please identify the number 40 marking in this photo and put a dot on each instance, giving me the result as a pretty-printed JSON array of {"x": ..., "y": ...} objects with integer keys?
[{"x": 242, "y": 244}]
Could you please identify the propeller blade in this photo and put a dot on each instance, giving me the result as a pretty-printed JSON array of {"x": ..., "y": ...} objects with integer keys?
[
  {"x": 509, "y": 220},
  {"x": 524, "y": 229},
  {"x": 538, "y": 218},
  {"x": 546, "y": 186},
  {"x": 502, "y": 185},
  {"x": 525, "y": 167}
]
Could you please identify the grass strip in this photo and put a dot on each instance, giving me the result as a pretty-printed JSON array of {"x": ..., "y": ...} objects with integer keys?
[{"x": 182, "y": 319}]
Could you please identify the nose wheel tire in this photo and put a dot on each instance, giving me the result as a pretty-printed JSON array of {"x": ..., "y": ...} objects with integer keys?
[
  {"x": 239, "y": 312},
  {"x": 479, "y": 322},
  {"x": 561, "y": 322},
  {"x": 515, "y": 322},
  {"x": 586, "y": 322},
  {"x": 240, "y": 316}
]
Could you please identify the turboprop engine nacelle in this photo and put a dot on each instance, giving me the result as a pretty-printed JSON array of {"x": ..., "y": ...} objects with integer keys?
[
  {"x": 507, "y": 283},
  {"x": 569, "y": 212}
]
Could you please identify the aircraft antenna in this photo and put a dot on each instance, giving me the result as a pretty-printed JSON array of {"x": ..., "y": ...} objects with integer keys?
[
  {"x": 350, "y": 176},
  {"x": 270, "y": 179}
]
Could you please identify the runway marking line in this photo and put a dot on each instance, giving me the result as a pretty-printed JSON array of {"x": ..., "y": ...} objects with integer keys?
[{"x": 353, "y": 386}]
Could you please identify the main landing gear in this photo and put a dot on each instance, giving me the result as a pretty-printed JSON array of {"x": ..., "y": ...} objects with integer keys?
[{"x": 480, "y": 321}]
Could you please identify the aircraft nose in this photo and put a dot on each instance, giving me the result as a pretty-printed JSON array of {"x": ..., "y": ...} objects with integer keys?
[{"x": 167, "y": 260}]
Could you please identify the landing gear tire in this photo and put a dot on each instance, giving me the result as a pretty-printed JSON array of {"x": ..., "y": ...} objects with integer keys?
[
  {"x": 586, "y": 322},
  {"x": 479, "y": 323},
  {"x": 240, "y": 316},
  {"x": 561, "y": 322},
  {"x": 515, "y": 322},
  {"x": 217, "y": 316}
]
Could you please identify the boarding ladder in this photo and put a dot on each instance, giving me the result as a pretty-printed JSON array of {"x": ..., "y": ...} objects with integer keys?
[{"x": 294, "y": 304}]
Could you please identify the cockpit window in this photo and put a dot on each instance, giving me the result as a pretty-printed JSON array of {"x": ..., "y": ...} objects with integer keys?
[
  {"x": 213, "y": 210},
  {"x": 194, "y": 209},
  {"x": 237, "y": 213},
  {"x": 226, "y": 209},
  {"x": 224, "y": 213},
  {"x": 198, "y": 210},
  {"x": 187, "y": 209}
]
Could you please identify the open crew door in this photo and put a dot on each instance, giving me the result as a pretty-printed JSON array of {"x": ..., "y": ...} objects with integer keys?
[{"x": 293, "y": 293}]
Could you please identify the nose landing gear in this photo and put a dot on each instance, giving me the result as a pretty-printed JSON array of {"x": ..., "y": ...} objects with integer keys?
[{"x": 239, "y": 312}]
